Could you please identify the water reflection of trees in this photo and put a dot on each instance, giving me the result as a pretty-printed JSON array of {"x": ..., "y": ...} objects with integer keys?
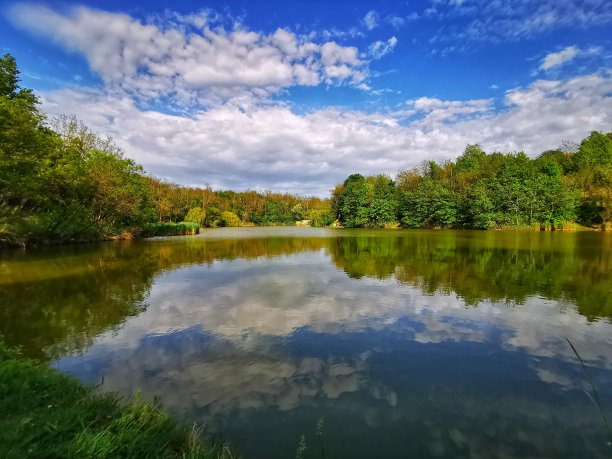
[
  {"x": 56, "y": 300},
  {"x": 481, "y": 266}
]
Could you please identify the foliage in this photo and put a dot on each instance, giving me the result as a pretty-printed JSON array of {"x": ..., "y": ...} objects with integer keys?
[
  {"x": 61, "y": 182},
  {"x": 67, "y": 184},
  {"x": 487, "y": 266},
  {"x": 196, "y": 215},
  {"x": 170, "y": 229},
  {"x": 483, "y": 191},
  {"x": 44, "y": 413},
  {"x": 274, "y": 212},
  {"x": 367, "y": 203},
  {"x": 321, "y": 217},
  {"x": 432, "y": 205},
  {"x": 595, "y": 150},
  {"x": 229, "y": 219},
  {"x": 173, "y": 202}
]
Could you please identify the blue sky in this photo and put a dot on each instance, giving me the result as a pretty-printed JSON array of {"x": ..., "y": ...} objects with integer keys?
[{"x": 294, "y": 96}]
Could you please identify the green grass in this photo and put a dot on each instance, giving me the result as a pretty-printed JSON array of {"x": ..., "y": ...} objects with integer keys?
[
  {"x": 170, "y": 229},
  {"x": 46, "y": 414}
]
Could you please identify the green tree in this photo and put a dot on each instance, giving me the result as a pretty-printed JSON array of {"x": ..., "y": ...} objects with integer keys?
[
  {"x": 431, "y": 205},
  {"x": 321, "y": 217},
  {"x": 352, "y": 210},
  {"x": 472, "y": 159},
  {"x": 478, "y": 209},
  {"x": 229, "y": 219},
  {"x": 382, "y": 205},
  {"x": 196, "y": 215},
  {"x": 27, "y": 151},
  {"x": 212, "y": 217},
  {"x": 595, "y": 150}
]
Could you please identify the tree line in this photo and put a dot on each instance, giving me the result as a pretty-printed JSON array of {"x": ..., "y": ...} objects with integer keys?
[
  {"x": 482, "y": 190},
  {"x": 212, "y": 208},
  {"x": 60, "y": 181}
]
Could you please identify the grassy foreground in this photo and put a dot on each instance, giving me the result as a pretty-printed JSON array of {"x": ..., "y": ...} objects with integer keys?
[{"x": 44, "y": 413}]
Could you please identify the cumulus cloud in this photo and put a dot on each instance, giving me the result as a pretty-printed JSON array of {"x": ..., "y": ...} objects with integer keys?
[
  {"x": 555, "y": 59},
  {"x": 188, "y": 57},
  {"x": 379, "y": 48},
  {"x": 437, "y": 110},
  {"x": 245, "y": 140},
  {"x": 272, "y": 147}
]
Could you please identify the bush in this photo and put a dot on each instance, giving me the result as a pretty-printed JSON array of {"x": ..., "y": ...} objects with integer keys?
[
  {"x": 229, "y": 219},
  {"x": 196, "y": 215},
  {"x": 321, "y": 218},
  {"x": 170, "y": 229}
]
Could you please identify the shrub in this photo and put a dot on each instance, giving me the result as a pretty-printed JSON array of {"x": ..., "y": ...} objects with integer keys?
[
  {"x": 229, "y": 219},
  {"x": 196, "y": 215},
  {"x": 170, "y": 229}
]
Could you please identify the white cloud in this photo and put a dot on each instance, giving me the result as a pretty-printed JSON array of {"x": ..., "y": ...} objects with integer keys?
[
  {"x": 187, "y": 58},
  {"x": 486, "y": 21},
  {"x": 437, "y": 110},
  {"x": 555, "y": 59},
  {"x": 395, "y": 21},
  {"x": 370, "y": 20},
  {"x": 379, "y": 48},
  {"x": 271, "y": 147},
  {"x": 249, "y": 309}
]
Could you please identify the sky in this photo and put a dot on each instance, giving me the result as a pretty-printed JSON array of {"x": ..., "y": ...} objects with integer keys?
[{"x": 293, "y": 96}]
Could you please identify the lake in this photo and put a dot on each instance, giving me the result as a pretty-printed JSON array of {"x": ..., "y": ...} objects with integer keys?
[{"x": 352, "y": 343}]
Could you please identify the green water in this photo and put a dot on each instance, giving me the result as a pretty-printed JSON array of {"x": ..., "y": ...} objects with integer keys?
[{"x": 366, "y": 343}]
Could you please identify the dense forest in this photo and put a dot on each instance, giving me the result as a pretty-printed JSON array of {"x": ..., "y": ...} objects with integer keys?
[
  {"x": 59, "y": 182},
  {"x": 483, "y": 191}
]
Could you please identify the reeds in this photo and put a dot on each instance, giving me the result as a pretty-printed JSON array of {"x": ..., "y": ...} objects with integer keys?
[
  {"x": 170, "y": 229},
  {"x": 593, "y": 394}
]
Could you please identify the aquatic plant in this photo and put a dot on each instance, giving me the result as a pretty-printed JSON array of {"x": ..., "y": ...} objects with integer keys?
[
  {"x": 593, "y": 394},
  {"x": 170, "y": 229}
]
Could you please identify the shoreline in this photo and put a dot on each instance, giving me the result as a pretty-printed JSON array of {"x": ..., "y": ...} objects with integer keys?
[
  {"x": 572, "y": 228},
  {"x": 44, "y": 411}
]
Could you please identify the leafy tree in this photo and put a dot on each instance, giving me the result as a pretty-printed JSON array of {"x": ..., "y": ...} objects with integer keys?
[
  {"x": 472, "y": 159},
  {"x": 321, "y": 217},
  {"x": 229, "y": 219},
  {"x": 432, "y": 205},
  {"x": 297, "y": 212},
  {"x": 352, "y": 202},
  {"x": 484, "y": 191},
  {"x": 212, "y": 217},
  {"x": 595, "y": 150},
  {"x": 382, "y": 199},
  {"x": 478, "y": 209},
  {"x": 196, "y": 215}
]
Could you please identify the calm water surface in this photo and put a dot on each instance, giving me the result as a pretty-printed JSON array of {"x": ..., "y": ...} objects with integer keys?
[{"x": 366, "y": 344}]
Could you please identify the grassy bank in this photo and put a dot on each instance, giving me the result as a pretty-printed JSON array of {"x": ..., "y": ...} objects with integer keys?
[
  {"x": 170, "y": 229},
  {"x": 44, "y": 413}
]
